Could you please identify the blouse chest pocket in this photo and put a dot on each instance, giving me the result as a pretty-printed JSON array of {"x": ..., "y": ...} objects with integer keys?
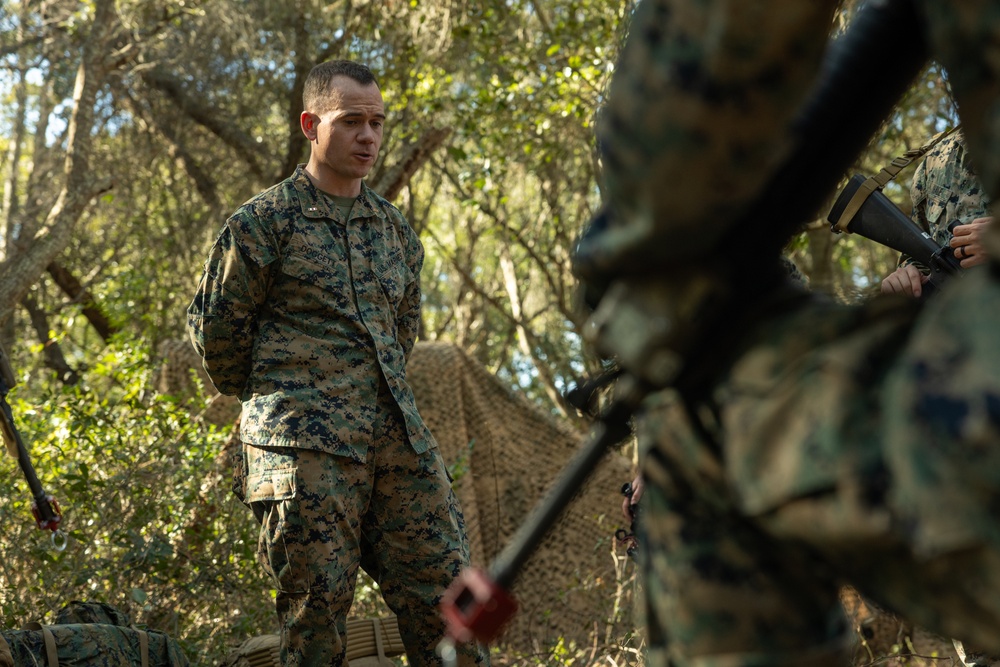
[
  {"x": 310, "y": 288},
  {"x": 317, "y": 271},
  {"x": 316, "y": 254},
  {"x": 393, "y": 275}
]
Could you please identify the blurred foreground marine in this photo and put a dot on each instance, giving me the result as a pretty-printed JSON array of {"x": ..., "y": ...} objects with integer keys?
[{"x": 818, "y": 444}]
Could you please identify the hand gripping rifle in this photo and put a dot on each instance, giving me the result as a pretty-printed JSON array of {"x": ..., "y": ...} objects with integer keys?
[
  {"x": 44, "y": 507},
  {"x": 845, "y": 108},
  {"x": 879, "y": 220}
]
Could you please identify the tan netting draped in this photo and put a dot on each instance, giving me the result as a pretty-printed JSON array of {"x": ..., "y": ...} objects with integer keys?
[{"x": 515, "y": 452}]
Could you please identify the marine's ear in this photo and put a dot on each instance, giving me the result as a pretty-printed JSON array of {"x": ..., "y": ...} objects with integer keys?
[{"x": 308, "y": 122}]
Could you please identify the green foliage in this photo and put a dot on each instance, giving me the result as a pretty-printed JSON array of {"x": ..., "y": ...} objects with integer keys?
[
  {"x": 151, "y": 525},
  {"x": 196, "y": 113}
]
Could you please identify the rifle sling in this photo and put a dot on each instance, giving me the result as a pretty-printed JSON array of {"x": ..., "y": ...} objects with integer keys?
[{"x": 879, "y": 180}]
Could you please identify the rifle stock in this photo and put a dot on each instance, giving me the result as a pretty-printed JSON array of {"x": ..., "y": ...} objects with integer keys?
[{"x": 881, "y": 221}]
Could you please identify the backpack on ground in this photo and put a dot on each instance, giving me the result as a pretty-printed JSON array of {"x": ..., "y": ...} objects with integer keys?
[{"x": 87, "y": 634}]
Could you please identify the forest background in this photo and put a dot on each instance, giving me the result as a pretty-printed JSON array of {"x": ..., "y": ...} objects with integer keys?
[{"x": 130, "y": 129}]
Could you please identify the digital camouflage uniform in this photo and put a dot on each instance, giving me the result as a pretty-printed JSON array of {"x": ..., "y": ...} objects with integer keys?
[
  {"x": 945, "y": 190},
  {"x": 308, "y": 315},
  {"x": 841, "y": 444}
]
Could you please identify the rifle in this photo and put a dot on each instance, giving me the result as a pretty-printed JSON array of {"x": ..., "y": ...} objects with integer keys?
[
  {"x": 879, "y": 220},
  {"x": 44, "y": 507}
]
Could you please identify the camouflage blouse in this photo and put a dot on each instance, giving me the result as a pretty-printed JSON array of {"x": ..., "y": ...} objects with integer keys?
[
  {"x": 300, "y": 312},
  {"x": 945, "y": 190}
]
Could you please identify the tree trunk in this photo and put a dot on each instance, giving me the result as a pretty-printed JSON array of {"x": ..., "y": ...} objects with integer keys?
[
  {"x": 821, "y": 267},
  {"x": 54, "y": 357},
  {"x": 525, "y": 339},
  {"x": 388, "y": 182},
  {"x": 22, "y": 269},
  {"x": 11, "y": 199}
]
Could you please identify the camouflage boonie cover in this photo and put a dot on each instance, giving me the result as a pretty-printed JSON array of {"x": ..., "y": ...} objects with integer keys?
[{"x": 300, "y": 312}]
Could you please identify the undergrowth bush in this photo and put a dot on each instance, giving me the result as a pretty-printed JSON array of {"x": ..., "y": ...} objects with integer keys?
[{"x": 151, "y": 524}]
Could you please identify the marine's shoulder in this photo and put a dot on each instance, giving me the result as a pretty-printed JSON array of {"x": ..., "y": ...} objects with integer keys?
[
  {"x": 950, "y": 149},
  {"x": 381, "y": 203},
  {"x": 281, "y": 195},
  {"x": 386, "y": 208}
]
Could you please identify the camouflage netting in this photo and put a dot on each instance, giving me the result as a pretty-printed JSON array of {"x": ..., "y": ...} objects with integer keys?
[
  {"x": 515, "y": 452},
  {"x": 506, "y": 454}
]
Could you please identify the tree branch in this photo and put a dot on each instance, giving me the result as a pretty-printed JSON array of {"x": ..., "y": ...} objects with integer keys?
[
  {"x": 414, "y": 155},
  {"x": 21, "y": 270},
  {"x": 514, "y": 235},
  {"x": 296, "y": 143},
  {"x": 208, "y": 117},
  {"x": 68, "y": 283},
  {"x": 526, "y": 338},
  {"x": 54, "y": 357},
  {"x": 202, "y": 180}
]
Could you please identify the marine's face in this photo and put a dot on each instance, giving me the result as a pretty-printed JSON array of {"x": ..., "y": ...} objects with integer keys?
[{"x": 347, "y": 135}]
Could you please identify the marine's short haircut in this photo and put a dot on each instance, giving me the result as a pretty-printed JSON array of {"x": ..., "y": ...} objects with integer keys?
[{"x": 316, "y": 91}]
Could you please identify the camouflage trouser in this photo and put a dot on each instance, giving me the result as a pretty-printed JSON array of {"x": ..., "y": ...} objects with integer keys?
[
  {"x": 847, "y": 445},
  {"x": 322, "y": 516}
]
